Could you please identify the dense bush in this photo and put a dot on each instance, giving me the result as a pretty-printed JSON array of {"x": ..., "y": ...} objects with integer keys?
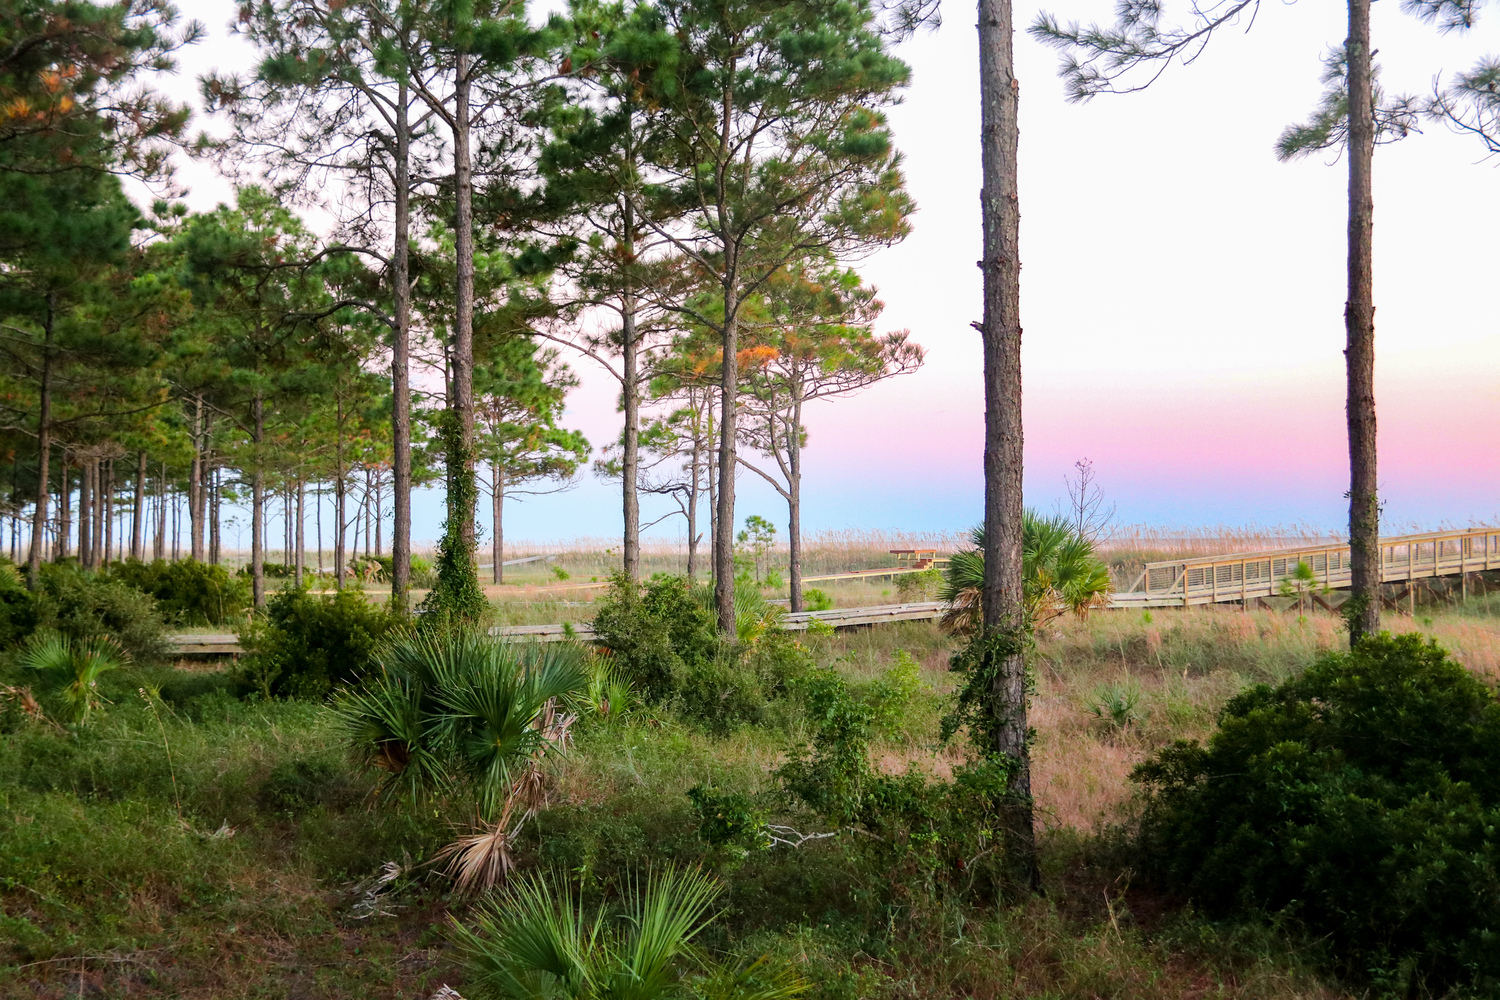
[
  {"x": 80, "y": 605},
  {"x": 188, "y": 592},
  {"x": 17, "y": 607},
  {"x": 658, "y": 633},
  {"x": 1360, "y": 803},
  {"x": 305, "y": 645}
]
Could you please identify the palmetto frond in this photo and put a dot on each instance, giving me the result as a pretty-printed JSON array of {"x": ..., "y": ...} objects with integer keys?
[
  {"x": 537, "y": 942},
  {"x": 70, "y": 669},
  {"x": 1060, "y": 573}
]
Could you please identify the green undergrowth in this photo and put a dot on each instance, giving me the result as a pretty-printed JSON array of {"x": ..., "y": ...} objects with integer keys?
[{"x": 191, "y": 843}]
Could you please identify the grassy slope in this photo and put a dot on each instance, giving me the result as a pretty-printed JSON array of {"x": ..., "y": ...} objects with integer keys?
[{"x": 106, "y": 883}]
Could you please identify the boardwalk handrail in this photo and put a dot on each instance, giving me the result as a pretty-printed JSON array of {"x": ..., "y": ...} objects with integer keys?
[{"x": 1243, "y": 576}]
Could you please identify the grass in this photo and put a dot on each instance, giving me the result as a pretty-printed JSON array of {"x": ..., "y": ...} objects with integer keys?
[{"x": 212, "y": 847}]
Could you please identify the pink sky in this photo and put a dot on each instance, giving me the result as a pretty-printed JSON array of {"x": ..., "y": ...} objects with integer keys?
[{"x": 1182, "y": 298}]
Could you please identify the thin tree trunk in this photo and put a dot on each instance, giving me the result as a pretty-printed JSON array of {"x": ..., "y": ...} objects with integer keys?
[
  {"x": 138, "y": 522},
  {"x": 197, "y": 496},
  {"x": 400, "y": 364},
  {"x": 160, "y": 550},
  {"x": 724, "y": 521},
  {"x": 64, "y": 511},
  {"x": 338, "y": 501},
  {"x": 318, "y": 515},
  {"x": 86, "y": 513},
  {"x": 631, "y": 397},
  {"x": 692, "y": 507},
  {"x": 107, "y": 511},
  {"x": 215, "y": 525},
  {"x": 298, "y": 541},
  {"x": 794, "y": 506},
  {"x": 463, "y": 319},
  {"x": 1359, "y": 325},
  {"x": 1004, "y": 618},
  {"x": 497, "y": 515},
  {"x": 44, "y": 455},
  {"x": 258, "y": 509}
]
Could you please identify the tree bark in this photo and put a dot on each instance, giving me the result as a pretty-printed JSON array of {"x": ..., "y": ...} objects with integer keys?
[
  {"x": 107, "y": 512},
  {"x": 300, "y": 540},
  {"x": 64, "y": 510},
  {"x": 631, "y": 398},
  {"x": 724, "y": 518},
  {"x": 258, "y": 507},
  {"x": 159, "y": 550},
  {"x": 197, "y": 496},
  {"x": 1359, "y": 326},
  {"x": 400, "y": 364},
  {"x": 338, "y": 498},
  {"x": 44, "y": 456},
  {"x": 497, "y": 509},
  {"x": 1001, "y": 330},
  {"x": 138, "y": 522},
  {"x": 463, "y": 318},
  {"x": 86, "y": 513},
  {"x": 794, "y": 507}
]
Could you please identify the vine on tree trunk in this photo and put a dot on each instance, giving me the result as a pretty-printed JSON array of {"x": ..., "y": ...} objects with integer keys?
[{"x": 457, "y": 599}]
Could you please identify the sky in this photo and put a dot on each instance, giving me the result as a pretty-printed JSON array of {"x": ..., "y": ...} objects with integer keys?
[{"x": 1182, "y": 298}]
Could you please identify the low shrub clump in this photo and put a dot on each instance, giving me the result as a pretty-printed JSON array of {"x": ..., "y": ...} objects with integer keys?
[
  {"x": 188, "y": 592},
  {"x": 306, "y": 645},
  {"x": 79, "y": 605},
  {"x": 1357, "y": 802}
]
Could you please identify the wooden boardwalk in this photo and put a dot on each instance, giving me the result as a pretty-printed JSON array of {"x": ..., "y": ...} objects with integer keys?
[
  {"x": 1250, "y": 576},
  {"x": 1241, "y": 578}
]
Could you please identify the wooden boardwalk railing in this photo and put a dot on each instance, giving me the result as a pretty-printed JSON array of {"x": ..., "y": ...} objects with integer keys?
[{"x": 1252, "y": 575}]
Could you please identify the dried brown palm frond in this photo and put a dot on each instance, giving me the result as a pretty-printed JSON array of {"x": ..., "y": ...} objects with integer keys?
[
  {"x": 480, "y": 861},
  {"x": 23, "y": 699}
]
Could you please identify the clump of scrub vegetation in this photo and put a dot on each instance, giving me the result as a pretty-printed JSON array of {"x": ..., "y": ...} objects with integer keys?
[
  {"x": 1357, "y": 802},
  {"x": 188, "y": 592},
  {"x": 305, "y": 645}
]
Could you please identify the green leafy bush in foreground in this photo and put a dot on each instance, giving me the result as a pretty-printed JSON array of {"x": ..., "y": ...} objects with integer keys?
[
  {"x": 80, "y": 605},
  {"x": 305, "y": 646},
  {"x": 1359, "y": 802},
  {"x": 188, "y": 592}
]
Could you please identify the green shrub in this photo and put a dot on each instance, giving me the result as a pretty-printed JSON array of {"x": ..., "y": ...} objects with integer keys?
[
  {"x": 658, "y": 633},
  {"x": 1357, "y": 802},
  {"x": 423, "y": 576},
  {"x": 305, "y": 646},
  {"x": 17, "y": 607},
  {"x": 919, "y": 586},
  {"x": 188, "y": 592},
  {"x": 891, "y": 696},
  {"x": 80, "y": 605},
  {"x": 814, "y": 599}
]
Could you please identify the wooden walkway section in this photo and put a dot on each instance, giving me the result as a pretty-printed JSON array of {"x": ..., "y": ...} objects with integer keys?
[
  {"x": 1249, "y": 576},
  {"x": 838, "y": 618}
]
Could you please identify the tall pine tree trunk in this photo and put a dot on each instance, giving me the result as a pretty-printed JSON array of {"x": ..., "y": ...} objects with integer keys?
[
  {"x": 258, "y": 509},
  {"x": 400, "y": 368},
  {"x": 86, "y": 513},
  {"x": 107, "y": 512},
  {"x": 794, "y": 504},
  {"x": 631, "y": 398},
  {"x": 44, "y": 457},
  {"x": 497, "y": 526},
  {"x": 1359, "y": 325},
  {"x": 1004, "y": 617},
  {"x": 197, "y": 495},
  {"x": 299, "y": 534},
  {"x": 64, "y": 510},
  {"x": 724, "y": 517},
  {"x": 462, "y": 401},
  {"x": 159, "y": 550},
  {"x": 138, "y": 521}
]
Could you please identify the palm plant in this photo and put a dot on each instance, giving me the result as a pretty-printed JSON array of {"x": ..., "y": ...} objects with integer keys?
[
  {"x": 539, "y": 943},
  {"x": 1060, "y": 573},
  {"x": 461, "y": 712},
  {"x": 70, "y": 669}
]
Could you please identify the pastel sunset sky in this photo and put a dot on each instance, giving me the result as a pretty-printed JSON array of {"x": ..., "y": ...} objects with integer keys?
[{"x": 1182, "y": 298}]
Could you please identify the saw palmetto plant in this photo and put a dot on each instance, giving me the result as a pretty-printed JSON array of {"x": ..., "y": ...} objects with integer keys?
[
  {"x": 461, "y": 714},
  {"x": 69, "y": 670},
  {"x": 1060, "y": 573},
  {"x": 539, "y": 942}
]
